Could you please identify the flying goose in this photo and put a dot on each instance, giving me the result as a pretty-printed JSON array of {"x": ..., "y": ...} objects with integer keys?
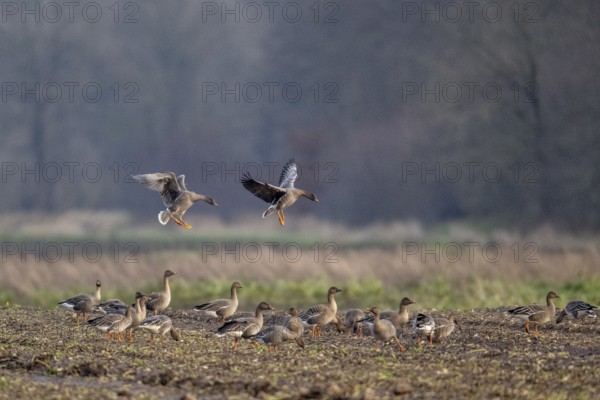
[
  {"x": 281, "y": 196},
  {"x": 175, "y": 195}
]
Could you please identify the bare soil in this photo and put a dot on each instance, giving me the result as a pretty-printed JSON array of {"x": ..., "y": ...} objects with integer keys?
[{"x": 44, "y": 354}]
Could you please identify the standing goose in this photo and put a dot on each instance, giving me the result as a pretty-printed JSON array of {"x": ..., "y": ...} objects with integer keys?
[
  {"x": 160, "y": 325},
  {"x": 577, "y": 309},
  {"x": 139, "y": 314},
  {"x": 398, "y": 319},
  {"x": 244, "y": 327},
  {"x": 281, "y": 196},
  {"x": 423, "y": 325},
  {"x": 536, "y": 313},
  {"x": 174, "y": 195},
  {"x": 223, "y": 308},
  {"x": 83, "y": 303},
  {"x": 111, "y": 323},
  {"x": 159, "y": 301},
  {"x": 383, "y": 330},
  {"x": 275, "y": 335},
  {"x": 443, "y": 328},
  {"x": 320, "y": 315}
]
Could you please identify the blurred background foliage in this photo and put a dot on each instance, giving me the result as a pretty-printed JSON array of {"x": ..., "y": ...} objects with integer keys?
[{"x": 386, "y": 97}]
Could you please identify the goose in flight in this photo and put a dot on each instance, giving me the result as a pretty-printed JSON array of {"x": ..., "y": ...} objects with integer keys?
[
  {"x": 281, "y": 196},
  {"x": 175, "y": 195}
]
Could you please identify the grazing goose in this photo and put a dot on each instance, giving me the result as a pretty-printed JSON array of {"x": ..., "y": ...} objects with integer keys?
[
  {"x": 367, "y": 328},
  {"x": 320, "y": 315},
  {"x": 353, "y": 320},
  {"x": 160, "y": 325},
  {"x": 281, "y": 196},
  {"x": 383, "y": 330},
  {"x": 222, "y": 308},
  {"x": 338, "y": 322},
  {"x": 111, "y": 323},
  {"x": 577, "y": 309},
  {"x": 275, "y": 335},
  {"x": 443, "y": 328},
  {"x": 423, "y": 325},
  {"x": 174, "y": 195},
  {"x": 398, "y": 319},
  {"x": 244, "y": 327},
  {"x": 536, "y": 313},
  {"x": 294, "y": 323},
  {"x": 83, "y": 303},
  {"x": 159, "y": 301}
]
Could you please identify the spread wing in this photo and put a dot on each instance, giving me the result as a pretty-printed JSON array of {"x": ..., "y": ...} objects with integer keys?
[
  {"x": 288, "y": 175},
  {"x": 164, "y": 182},
  {"x": 181, "y": 182},
  {"x": 263, "y": 191}
]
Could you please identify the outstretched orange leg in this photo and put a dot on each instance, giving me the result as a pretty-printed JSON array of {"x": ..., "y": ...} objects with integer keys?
[
  {"x": 180, "y": 222},
  {"x": 527, "y": 326},
  {"x": 185, "y": 224},
  {"x": 281, "y": 217}
]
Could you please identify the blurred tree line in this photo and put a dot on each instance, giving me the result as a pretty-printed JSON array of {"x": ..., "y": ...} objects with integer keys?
[{"x": 432, "y": 110}]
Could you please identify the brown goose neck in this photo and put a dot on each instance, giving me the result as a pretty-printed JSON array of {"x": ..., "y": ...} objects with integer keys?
[{"x": 166, "y": 287}]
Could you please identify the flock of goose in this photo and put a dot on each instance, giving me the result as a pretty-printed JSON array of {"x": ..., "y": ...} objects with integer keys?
[
  {"x": 119, "y": 317},
  {"x": 384, "y": 327}
]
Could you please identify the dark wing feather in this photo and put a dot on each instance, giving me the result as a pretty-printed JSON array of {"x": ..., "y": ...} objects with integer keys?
[
  {"x": 164, "y": 182},
  {"x": 263, "y": 191},
  {"x": 578, "y": 306},
  {"x": 289, "y": 173},
  {"x": 235, "y": 325},
  {"x": 215, "y": 305},
  {"x": 312, "y": 311}
]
